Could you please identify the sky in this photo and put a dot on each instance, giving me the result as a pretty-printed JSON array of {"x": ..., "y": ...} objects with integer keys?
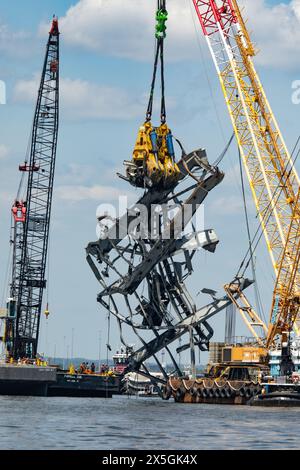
[{"x": 106, "y": 63}]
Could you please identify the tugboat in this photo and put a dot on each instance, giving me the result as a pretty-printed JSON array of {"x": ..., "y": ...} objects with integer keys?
[
  {"x": 120, "y": 359},
  {"x": 279, "y": 394},
  {"x": 283, "y": 385}
]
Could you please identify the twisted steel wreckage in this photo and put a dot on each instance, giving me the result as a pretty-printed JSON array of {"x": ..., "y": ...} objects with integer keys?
[{"x": 134, "y": 251}]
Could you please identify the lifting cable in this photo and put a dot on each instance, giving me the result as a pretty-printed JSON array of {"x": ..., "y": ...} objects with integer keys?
[
  {"x": 108, "y": 347},
  {"x": 6, "y": 284},
  {"x": 20, "y": 195},
  {"x": 222, "y": 155},
  {"x": 259, "y": 232},
  {"x": 259, "y": 306},
  {"x": 160, "y": 34}
]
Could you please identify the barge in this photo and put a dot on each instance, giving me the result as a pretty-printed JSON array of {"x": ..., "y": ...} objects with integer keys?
[
  {"x": 84, "y": 385},
  {"x": 33, "y": 380}
]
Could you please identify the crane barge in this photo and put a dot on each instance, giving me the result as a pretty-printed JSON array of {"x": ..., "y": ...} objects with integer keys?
[
  {"x": 274, "y": 183},
  {"x": 270, "y": 170},
  {"x": 31, "y": 213},
  {"x": 23, "y": 371}
]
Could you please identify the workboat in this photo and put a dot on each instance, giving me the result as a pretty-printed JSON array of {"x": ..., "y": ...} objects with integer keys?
[{"x": 278, "y": 394}]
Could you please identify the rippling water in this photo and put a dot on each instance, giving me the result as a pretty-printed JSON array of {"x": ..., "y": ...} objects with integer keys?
[{"x": 142, "y": 423}]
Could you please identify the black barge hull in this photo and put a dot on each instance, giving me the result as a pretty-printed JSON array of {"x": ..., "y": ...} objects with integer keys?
[
  {"x": 84, "y": 385},
  {"x": 29, "y": 380},
  {"x": 26, "y": 380},
  {"x": 276, "y": 401},
  {"x": 278, "y": 395}
]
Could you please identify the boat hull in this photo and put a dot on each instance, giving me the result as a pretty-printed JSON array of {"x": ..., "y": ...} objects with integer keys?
[
  {"x": 26, "y": 380},
  {"x": 29, "y": 380},
  {"x": 84, "y": 385},
  {"x": 276, "y": 401},
  {"x": 278, "y": 395}
]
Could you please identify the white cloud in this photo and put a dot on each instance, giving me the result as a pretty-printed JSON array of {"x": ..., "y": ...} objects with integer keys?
[
  {"x": 4, "y": 151},
  {"x": 112, "y": 28},
  {"x": 14, "y": 43},
  {"x": 126, "y": 29},
  {"x": 76, "y": 193},
  {"x": 77, "y": 173},
  {"x": 81, "y": 99},
  {"x": 275, "y": 31}
]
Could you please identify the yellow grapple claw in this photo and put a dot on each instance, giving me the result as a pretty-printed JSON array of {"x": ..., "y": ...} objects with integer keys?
[
  {"x": 144, "y": 157},
  {"x": 171, "y": 170},
  {"x": 152, "y": 163}
]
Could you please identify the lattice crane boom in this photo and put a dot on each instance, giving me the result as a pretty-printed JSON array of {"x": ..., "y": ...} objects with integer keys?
[
  {"x": 31, "y": 218},
  {"x": 286, "y": 295},
  {"x": 272, "y": 176}
]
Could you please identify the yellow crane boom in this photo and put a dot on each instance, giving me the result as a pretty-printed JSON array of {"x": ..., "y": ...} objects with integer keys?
[
  {"x": 286, "y": 295},
  {"x": 272, "y": 176}
]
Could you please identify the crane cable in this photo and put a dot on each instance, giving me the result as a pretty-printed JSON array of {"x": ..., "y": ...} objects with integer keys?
[
  {"x": 259, "y": 232},
  {"x": 6, "y": 285},
  {"x": 160, "y": 34},
  {"x": 256, "y": 289}
]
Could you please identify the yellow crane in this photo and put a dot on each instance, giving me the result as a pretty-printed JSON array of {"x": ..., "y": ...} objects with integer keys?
[{"x": 272, "y": 176}]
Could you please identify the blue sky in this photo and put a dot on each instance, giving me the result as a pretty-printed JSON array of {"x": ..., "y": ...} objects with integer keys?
[{"x": 106, "y": 66}]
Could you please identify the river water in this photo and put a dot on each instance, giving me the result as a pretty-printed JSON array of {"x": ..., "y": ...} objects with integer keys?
[{"x": 142, "y": 423}]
